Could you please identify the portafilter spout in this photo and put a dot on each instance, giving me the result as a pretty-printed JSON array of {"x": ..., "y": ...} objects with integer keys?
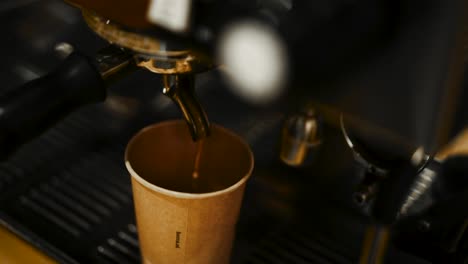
[{"x": 181, "y": 89}]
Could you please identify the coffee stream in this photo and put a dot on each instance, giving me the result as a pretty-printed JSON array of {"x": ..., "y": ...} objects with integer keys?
[{"x": 196, "y": 166}]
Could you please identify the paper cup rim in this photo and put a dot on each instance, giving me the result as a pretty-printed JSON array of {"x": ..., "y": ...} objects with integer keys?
[{"x": 186, "y": 195}]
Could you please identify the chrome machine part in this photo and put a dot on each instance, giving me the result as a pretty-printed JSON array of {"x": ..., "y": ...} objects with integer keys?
[
  {"x": 373, "y": 174},
  {"x": 113, "y": 62},
  {"x": 370, "y": 167},
  {"x": 300, "y": 138},
  {"x": 181, "y": 89},
  {"x": 422, "y": 184},
  {"x": 155, "y": 55}
]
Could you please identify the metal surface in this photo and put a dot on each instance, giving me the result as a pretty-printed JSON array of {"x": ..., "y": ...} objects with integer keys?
[
  {"x": 113, "y": 61},
  {"x": 420, "y": 187},
  {"x": 300, "y": 138},
  {"x": 181, "y": 89},
  {"x": 375, "y": 245},
  {"x": 365, "y": 162},
  {"x": 127, "y": 39},
  {"x": 134, "y": 15},
  {"x": 155, "y": 55}
]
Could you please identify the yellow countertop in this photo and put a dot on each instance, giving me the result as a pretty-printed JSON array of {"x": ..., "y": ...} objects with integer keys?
[{"x": 14, "y": 250}]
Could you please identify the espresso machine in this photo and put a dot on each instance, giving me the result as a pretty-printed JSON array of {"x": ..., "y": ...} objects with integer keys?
[{"x": 347, "y": 105}]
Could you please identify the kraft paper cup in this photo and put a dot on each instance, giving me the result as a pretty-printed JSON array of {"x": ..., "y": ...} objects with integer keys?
[{"x": 179, "y": 220}]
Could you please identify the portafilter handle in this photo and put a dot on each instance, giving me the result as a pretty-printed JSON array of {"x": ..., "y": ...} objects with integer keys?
[{"x": 28, "y": 111}]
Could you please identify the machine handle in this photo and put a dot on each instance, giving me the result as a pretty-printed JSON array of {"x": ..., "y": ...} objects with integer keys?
[{"x": 28, "y": 111}]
